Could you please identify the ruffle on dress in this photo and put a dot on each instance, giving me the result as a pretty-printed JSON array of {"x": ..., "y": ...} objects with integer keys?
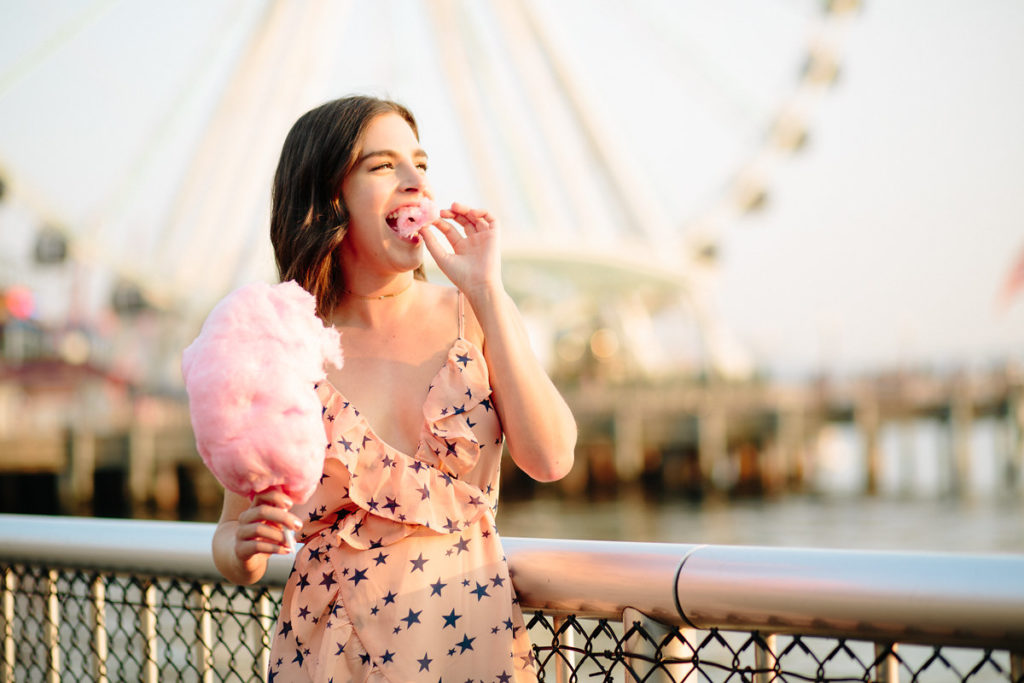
[
  {"x": 362, "y": 605},
  {"x": 391, "y": 494}
]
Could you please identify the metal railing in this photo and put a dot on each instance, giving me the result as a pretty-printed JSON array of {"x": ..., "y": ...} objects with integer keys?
[{"x": 117, "y": 600}]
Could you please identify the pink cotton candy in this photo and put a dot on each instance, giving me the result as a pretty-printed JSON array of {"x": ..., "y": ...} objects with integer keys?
[
  {"x": 412, "y": 218},
  {"x": 250, "y": 378}
]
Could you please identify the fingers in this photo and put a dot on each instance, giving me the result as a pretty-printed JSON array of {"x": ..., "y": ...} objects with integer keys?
[
  {"x": 432, "y": 242},
  {"x": 267, "y": 526},
  {"x": 471, "y": 220},
  {"x": 261, "y": 540},
  {"x": 273, "y": 496}
]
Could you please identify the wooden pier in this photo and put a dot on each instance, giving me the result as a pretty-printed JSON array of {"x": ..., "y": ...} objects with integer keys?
[
  {"x": 767, "y": 431},
  {"x": 97, "y": 444},
  {"x": 109, "y": 448}
]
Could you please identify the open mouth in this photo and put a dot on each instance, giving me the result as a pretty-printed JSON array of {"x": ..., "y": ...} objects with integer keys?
[{"x": 408, "y": 220}]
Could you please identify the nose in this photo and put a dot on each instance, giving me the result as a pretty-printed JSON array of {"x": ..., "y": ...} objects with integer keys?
[{"x": 411, "y": 179}]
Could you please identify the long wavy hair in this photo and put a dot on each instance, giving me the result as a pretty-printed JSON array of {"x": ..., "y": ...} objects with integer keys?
[{"x": 309, "y": 219}]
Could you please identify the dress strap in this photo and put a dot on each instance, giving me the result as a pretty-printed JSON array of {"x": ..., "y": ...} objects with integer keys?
[{"x": 462, "y": 316}]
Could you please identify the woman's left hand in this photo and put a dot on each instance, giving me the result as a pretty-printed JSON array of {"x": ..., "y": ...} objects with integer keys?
[{"x": 475, "y": 260}]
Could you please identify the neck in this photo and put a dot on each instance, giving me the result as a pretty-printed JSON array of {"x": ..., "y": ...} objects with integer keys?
[
  {"x": 371, "y": 291},
  {"x": 373, "y": 305},
  {"x": 373, "y": 297}
]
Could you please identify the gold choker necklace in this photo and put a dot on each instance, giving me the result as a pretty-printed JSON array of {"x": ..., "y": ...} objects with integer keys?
[{"x": 381, "y": 296}]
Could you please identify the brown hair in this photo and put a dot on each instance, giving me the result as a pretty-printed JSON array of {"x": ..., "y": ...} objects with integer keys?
[{"x": 309, "y": 219}]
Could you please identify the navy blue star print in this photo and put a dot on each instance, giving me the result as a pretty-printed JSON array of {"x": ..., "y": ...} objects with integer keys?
[
  {"x": 413, "y": 618},
  {"x": 466, "y": 643},
  {"x": 481, "y": 592},
  {"x": 450, "y": 619},
  {"x": 359, "y": 601},
  {"x": 418, "y": 563}
]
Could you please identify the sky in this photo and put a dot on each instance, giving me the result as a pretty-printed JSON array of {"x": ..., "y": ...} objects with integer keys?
[
  {"x": 883, "y": 243},
  {"x": 886, "y": 243}
]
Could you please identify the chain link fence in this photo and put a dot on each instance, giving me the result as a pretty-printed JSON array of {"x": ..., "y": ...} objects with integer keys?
[
  {"x": 78, "y": 625},
  {"x": 602, "y": 650}
]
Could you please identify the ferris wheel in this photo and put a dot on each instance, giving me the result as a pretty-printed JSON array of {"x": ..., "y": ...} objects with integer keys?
[{"x": 616, "y": 141}]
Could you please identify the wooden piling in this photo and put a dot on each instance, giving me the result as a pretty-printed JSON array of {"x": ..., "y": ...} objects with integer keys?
[
  {"x": 961, "y": 417},
  {"x": 868, "y": 419},
  {"x": 712, "y": 438},
  {"x": 629, "y": 443}
]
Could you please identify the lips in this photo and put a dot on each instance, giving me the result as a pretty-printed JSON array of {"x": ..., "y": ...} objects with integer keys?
[{"x": 407, "y": 220}]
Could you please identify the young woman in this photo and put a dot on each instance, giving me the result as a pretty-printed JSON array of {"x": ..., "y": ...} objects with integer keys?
[{"x": 401, "y": 576}]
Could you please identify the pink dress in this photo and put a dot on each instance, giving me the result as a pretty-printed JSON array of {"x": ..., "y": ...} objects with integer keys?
[{"x": 402, "y": 576}]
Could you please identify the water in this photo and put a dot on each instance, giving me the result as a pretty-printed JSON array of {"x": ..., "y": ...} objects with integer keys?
[
  {"x": 965, "y": 525},
  {"x": 914, "y": 510}
]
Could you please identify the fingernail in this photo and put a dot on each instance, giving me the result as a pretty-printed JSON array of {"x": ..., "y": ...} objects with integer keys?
[{"x": 289, "y": 537}]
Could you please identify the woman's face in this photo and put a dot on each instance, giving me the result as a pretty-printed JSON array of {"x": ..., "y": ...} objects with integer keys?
[{"x": 389, "y": 173}]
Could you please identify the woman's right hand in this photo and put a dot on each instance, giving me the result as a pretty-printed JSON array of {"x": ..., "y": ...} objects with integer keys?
[
  {"x": 266, "y": 527},
  {"x": 250, "y": 531}
]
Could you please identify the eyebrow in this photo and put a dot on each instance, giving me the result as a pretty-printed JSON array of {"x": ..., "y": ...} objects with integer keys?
[{"x": 417, "y": 154}]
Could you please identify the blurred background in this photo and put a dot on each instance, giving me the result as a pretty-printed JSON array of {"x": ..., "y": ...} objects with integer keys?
[{"x": 770, "y": 251}]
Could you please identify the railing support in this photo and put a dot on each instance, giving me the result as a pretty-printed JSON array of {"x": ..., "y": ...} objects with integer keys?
[
  {"x": 203, "y": 650},
  {"x": 7, "y": 666},
  {"x": 887, "y": 664},
  {"x": 52, "y": 626},
  {"x": 98, "y": 598},
  {"x": 566, "y": 638},
  {"x": 267, "y": 618},
  {"x": 765, "y": 659},
  {"x": 147, "y": 623}
]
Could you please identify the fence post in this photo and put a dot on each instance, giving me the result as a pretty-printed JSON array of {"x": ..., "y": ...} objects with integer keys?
[
  {"x": 567, "y": 639},
  {"x": 886, "y": 663},
  {"x": 7, "y": 666},
  {"x": 53, "y": 626},
  {"x": 649, "y": 645},
  {"x": 204, "y": 641},
  {"x": 99, "y": 627},
  {"x": 267, "y": 620},
  {"x": 147, "y": 624},
  {"x": 764, "y": 658},
  {"x": 1017, "y": 666}
]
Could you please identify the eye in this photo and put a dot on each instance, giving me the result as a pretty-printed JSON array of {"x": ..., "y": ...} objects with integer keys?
[
  {"x": 422, "y": 166},
  {"x": 382, "y": 166}
]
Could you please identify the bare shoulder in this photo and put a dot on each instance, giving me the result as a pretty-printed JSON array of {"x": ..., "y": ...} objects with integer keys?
[
  {"x": 472, "y": 329},
  {"x": 437, "y": 298},
  {"x": 441, "y": 297}
]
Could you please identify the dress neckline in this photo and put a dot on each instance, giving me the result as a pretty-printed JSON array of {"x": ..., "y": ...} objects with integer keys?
[{"x": 433, "y": 383}]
